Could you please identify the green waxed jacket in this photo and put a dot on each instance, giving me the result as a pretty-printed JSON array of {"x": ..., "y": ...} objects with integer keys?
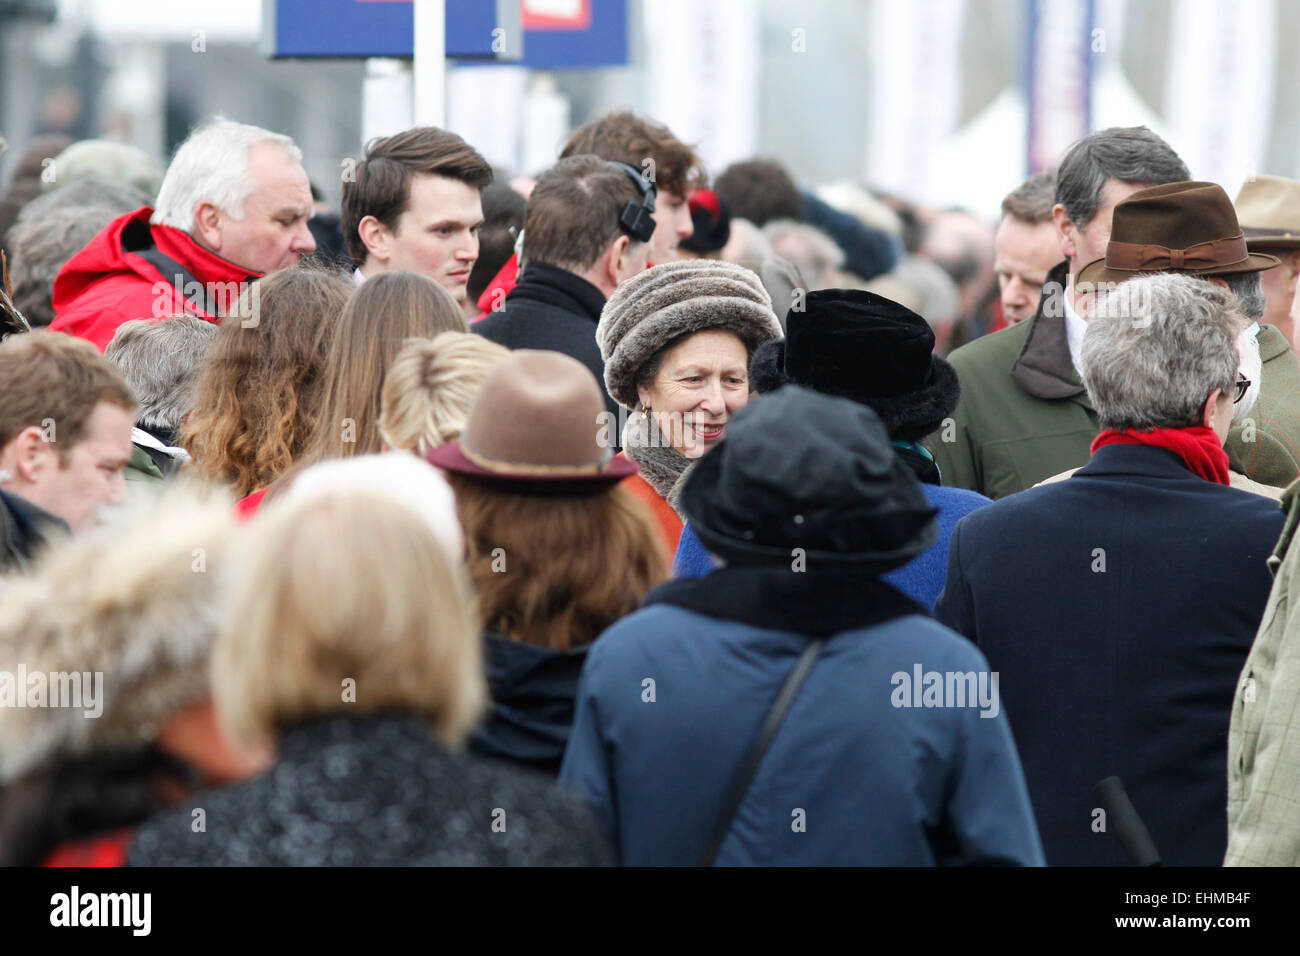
[{"x": 1024, "y": 414}]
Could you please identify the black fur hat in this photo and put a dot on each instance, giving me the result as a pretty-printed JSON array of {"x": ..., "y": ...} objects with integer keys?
[{"x": 862, "y": 346}]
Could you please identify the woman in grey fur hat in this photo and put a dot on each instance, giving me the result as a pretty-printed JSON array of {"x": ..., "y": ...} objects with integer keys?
[{"x": 676, "y": 341}]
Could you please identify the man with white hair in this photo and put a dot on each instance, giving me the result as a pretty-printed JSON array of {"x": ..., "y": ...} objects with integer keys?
[{"x": 233, "y": 206}]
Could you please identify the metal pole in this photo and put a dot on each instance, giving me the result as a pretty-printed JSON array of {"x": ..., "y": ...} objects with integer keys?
[{"x": 430, "y": 63}]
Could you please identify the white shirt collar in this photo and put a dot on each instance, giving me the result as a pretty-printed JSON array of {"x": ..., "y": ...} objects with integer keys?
[
  {"x": 1075, "y": 326},
  {"x": 358, "y": 276}
]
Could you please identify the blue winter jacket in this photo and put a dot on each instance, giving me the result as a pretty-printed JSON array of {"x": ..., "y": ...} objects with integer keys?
[
  {"x": 921, "y": 579},
  {"x": 670, "y": 700}
]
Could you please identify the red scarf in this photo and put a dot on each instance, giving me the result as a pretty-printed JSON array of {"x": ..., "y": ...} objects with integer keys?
[{"x": 1198, "y": 447}]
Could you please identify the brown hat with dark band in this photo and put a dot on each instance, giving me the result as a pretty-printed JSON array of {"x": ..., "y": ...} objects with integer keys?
[
  {"x": 1178, "y": 227},
  {"x": 538, "y": 425},
  {"x": 1268, "y": 208}
]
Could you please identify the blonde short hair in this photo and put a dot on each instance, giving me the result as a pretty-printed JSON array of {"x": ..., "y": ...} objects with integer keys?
[
  {"x": 345, "y": 604},
  {"x": 430, "y": 386}
]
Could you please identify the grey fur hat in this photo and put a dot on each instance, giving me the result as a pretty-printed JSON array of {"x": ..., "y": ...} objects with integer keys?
[{"x": 650, "y": 310}]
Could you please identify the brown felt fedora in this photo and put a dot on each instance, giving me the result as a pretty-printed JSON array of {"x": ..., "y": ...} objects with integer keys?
[
  {"x": 1268, "y": 208},
  {"x": 537, "y": 425},
  {"x": 1178, "y": 227}
]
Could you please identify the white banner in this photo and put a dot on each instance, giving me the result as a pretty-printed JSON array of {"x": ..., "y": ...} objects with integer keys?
[
  {"x": 701, "y": 75},
  {"x": 914, "y": 92},
  {"x": 1219, "y": 87},
  {"x": 1059, "y": 78}
]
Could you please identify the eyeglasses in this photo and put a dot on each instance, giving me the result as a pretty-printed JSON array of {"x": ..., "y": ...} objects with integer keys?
[{"x": 1243, "y": 386}]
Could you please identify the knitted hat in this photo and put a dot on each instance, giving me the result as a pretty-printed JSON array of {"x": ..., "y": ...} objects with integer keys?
[
  {"x": 651, "y": 310},
  {"x": 138, "y": 604}
]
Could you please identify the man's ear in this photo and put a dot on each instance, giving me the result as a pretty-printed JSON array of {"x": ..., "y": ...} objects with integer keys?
[
  {"x": 616, "y": 260},
  {"x": 28, "y": 454},
  {"x": 375, "y": 236},
  {"x": 1064, "y": 231},
  {"x": 207, "y": 225},
  {"x": 1209, "y": 408}
]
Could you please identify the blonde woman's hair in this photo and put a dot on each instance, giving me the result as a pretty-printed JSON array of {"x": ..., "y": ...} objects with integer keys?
[
  {"x": 430, "y": 386},
  {"x": 345, "y": 604}
]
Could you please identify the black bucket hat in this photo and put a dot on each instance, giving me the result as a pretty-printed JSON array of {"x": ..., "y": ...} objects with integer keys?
[
  {"x": 864, "y": 347},
  {"x": 799, "y": 469}
]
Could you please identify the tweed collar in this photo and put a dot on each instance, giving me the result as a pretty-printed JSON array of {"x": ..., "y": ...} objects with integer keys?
[{"x": 1044, "y": 368}]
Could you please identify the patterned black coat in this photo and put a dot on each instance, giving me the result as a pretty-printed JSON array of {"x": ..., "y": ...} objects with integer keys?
[{"x": 375, "y": 791}]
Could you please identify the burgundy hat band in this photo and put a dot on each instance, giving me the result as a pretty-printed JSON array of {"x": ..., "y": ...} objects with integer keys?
[{"x": 1139, "y": 257}]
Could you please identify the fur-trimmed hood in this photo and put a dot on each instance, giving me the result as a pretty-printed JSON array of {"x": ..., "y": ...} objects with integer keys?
[{"x": 137, "y": 601}]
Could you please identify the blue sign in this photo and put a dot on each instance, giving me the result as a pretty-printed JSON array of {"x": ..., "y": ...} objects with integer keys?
[{"x": 365, "y": 28}]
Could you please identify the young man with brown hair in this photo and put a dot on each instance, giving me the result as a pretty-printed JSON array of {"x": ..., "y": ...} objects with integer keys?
[
  {"x": 412, "y": 204},
  {"x": 66, "y": 416}
]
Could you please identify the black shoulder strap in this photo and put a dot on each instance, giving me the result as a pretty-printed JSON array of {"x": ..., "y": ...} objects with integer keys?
[
  {"x": 757, "y": 749},
  {"x": 137, "y": 239}
]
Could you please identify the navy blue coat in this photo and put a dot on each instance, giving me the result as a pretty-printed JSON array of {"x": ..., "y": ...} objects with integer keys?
[
  {"x": 850, "y": 779},
  {"x": 1118, "y": 607}
]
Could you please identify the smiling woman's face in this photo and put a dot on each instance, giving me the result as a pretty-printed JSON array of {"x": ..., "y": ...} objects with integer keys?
[{"x": 700, "y": 383}]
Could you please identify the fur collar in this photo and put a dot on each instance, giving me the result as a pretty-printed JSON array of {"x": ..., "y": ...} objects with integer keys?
[{"x": 663, "y": 469}]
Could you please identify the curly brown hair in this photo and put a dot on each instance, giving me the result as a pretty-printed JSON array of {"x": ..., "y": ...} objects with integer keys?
[
  {"x": 260, "y": 392},
  {"x": 557, "y": 571},
  {"x": 627, "y": 138}
]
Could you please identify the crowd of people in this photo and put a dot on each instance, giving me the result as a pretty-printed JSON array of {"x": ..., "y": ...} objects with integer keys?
[{"x": 626, "y": 514}]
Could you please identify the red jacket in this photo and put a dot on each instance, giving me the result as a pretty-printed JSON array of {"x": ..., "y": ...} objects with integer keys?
[
  {"x": 103, "y": 285},
  {"x": 498, "y": 288}
]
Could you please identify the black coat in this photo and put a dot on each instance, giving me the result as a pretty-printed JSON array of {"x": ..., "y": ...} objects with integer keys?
[
  {"x": 1118, "y": 607},
  {"x": 557, "y": 310},
  {"x": 533, "y": 690},
  {"x": 24, "y": 527},
  {"x": 376, "y": 791}
]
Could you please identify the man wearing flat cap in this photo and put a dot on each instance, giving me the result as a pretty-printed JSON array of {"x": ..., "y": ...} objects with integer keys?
[{"x": 1191, "y": 228}]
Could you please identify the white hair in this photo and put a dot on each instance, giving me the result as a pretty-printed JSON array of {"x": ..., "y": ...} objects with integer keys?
[
  {"x": 212, "y": 165},
  {"x": 397, "y": 476}
]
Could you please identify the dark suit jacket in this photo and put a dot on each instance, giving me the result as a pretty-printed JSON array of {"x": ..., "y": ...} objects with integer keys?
[{"x": 1118, "y": 607}]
